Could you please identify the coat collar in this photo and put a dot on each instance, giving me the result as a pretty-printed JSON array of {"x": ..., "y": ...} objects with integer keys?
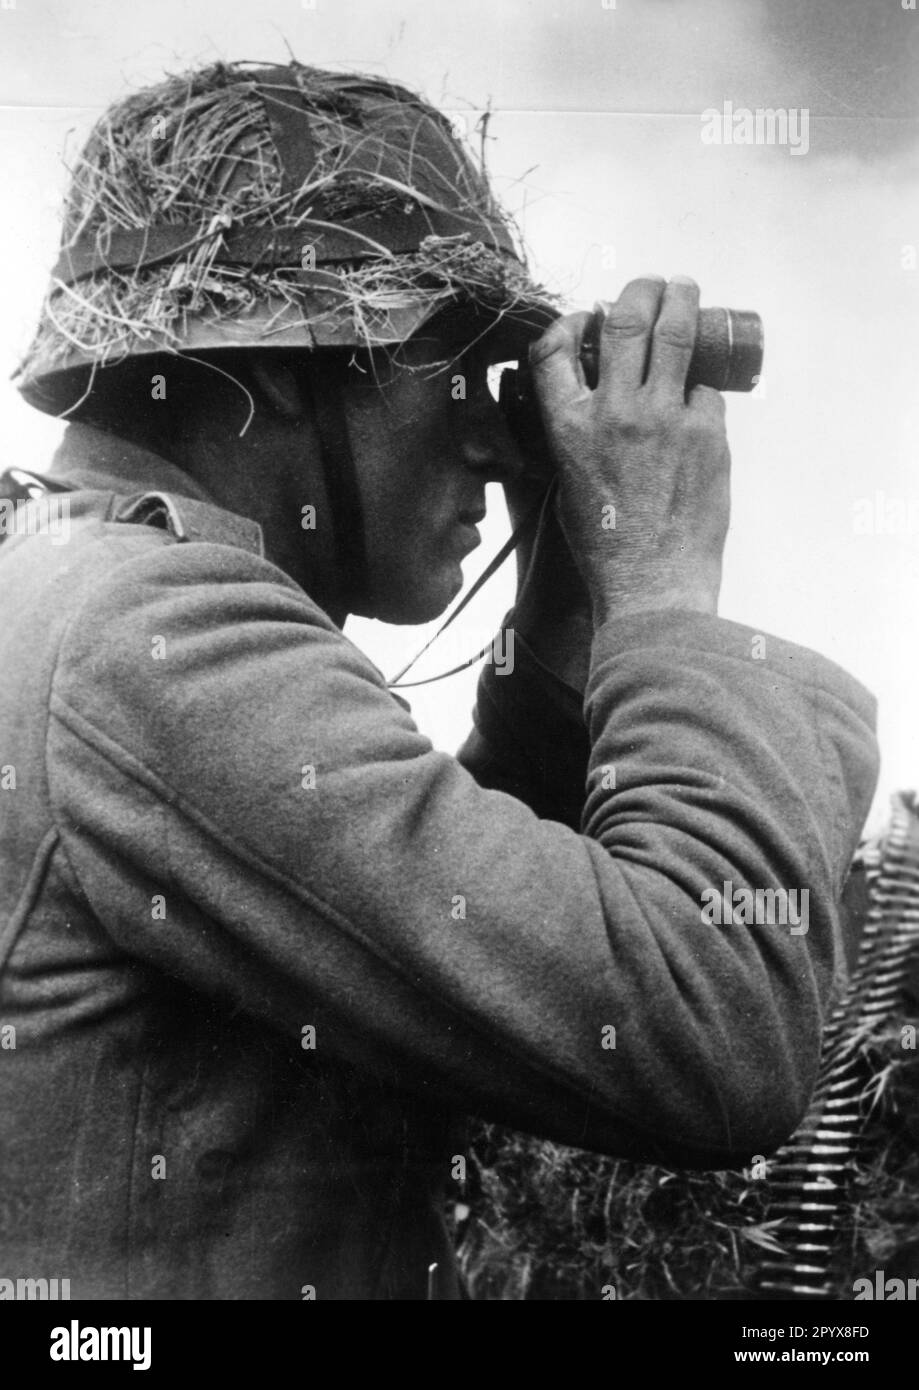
[
  {"x": 142, "y": 486},
  {"x": 95, "y": 460}
]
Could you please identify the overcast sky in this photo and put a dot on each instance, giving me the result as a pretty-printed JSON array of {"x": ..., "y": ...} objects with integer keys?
[{"x": 601, "y": 110}]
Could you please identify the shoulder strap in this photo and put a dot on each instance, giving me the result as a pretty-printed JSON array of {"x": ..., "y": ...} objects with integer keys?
[
  {"x": 184, "y": 518},
  {"x": 188, "y": 520}
]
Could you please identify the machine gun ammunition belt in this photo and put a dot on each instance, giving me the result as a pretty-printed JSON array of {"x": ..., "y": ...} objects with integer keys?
[{"x": 810, "y": 1177}]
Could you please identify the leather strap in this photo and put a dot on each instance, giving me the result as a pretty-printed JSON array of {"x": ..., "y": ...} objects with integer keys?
[
  {"x": 291, "y": 129},
  {"x": 364, "y": 237},
  {"x": 530, "y": 522},
  {"x": 324, "y": 381}
]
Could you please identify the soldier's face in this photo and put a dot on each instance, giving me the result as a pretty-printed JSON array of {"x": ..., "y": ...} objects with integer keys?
[{"x": 426, "y": 440}]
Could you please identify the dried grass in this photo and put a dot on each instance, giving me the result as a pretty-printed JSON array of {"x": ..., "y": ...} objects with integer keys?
[{"x": 197, "y": 150}]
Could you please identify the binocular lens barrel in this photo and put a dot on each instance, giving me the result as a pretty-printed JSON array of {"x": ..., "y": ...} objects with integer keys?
[{"x": 728, "y": 355}]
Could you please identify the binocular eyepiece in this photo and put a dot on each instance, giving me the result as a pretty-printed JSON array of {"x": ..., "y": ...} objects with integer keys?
[{"x": 728, "y": 355}]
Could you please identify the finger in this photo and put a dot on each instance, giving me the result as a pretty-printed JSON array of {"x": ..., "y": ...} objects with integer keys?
[
  {"x": 706, "y": 402},
  {"x": 555, "y": 361},
  {"x": 674, "y": 337},
  {"x": 625, "y": 334}
]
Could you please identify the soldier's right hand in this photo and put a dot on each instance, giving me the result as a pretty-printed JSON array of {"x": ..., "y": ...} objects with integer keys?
[{"x": 644, "y": 468}]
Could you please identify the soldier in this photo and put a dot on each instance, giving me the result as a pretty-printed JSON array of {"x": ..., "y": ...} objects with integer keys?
[{"x": 263, "y": 947}]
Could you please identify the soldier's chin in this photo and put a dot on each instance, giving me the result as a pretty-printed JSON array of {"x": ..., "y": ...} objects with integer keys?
[{"x": 425, "y": 599}]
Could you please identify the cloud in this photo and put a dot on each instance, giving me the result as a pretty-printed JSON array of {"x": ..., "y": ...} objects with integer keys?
[{"x": 851, "y": 63}]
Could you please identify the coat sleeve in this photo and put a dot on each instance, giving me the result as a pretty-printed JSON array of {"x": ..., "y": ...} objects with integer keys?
[
  {"x": 529, "y": 737},
  {"x": 216, "y": 741}
]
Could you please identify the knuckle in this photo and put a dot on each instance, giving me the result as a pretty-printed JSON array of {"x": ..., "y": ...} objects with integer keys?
[
  {"x": 628, "y": 428},
  {"x": 675, "y": 333},
  {"x": 697, "y": 430},
  {"x": 708, "y": 402},
  {"x": 705, "y": 441},
  {"x": 557, "y": 338},
  {"x": 626, "y": 321},
  {"x": 629, "y": 422}
]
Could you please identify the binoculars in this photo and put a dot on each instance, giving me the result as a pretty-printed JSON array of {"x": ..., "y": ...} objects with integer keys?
[{"x": 728, "y": 355}]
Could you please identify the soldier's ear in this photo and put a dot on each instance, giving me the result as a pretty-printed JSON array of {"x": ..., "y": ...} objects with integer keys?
[{"x": 280, "y": 385}]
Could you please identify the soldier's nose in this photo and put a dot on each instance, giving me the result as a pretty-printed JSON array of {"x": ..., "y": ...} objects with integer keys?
[
  {"x": 500, "y": 465},
  {"x": 491, "y": 450}
]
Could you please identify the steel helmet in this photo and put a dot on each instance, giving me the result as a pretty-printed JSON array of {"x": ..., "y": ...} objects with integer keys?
[{"x": 243, "y": 206}]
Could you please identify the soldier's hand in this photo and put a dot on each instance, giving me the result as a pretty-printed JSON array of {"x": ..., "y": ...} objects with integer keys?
[
  {"x": 644, "y": 468},
  {"x": 552, "y": 610}
]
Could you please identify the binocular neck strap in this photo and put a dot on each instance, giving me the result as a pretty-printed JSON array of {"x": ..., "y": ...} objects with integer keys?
[{"x": 531, "y": 522}]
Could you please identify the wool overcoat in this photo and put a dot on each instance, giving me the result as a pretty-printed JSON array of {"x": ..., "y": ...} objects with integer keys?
[{"x": 263, "y": 948}]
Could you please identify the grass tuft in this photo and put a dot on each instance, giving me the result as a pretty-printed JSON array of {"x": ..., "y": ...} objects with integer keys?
[{"x": 548, "y": 1222}]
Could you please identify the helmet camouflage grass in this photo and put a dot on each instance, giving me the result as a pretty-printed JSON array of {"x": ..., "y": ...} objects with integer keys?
[{"x": 242, "y": 206}]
